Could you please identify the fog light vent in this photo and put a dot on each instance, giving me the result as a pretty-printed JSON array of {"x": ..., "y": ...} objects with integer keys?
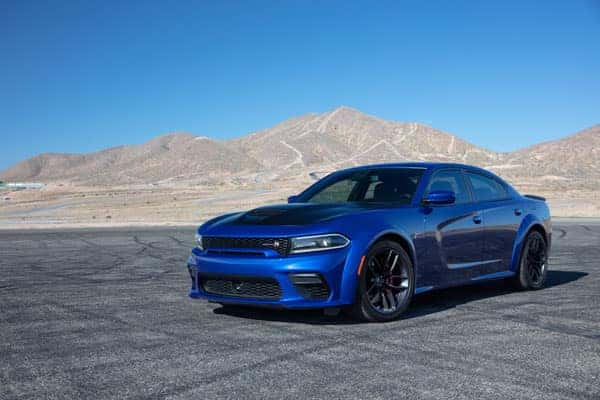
[{"x": 310, "y": 286}]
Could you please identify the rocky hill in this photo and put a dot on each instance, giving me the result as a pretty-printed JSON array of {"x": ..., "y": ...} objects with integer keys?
[
  {"x": 169, "y": 157},
  {"x": 313, "y": 142},
  {"x": 573, "y": 161}
]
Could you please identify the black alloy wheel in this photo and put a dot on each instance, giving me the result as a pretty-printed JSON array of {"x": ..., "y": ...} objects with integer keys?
[
  {"x": 533, "y": 264},
  {"x": 386, "y": 283}
]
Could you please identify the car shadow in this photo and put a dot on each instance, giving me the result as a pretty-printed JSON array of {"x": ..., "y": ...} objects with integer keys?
[{"x": 423, "y": 304}]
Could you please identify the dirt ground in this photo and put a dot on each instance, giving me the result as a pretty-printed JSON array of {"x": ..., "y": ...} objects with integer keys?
[{"x": 74, "y": 206}]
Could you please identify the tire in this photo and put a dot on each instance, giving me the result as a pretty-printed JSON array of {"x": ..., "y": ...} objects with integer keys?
[
  {"x": 386, "y": 283},
  {"x": 533, "y": 263}
]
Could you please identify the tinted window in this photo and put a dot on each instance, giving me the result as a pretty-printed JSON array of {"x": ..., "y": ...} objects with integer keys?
[
  {"x": 337, "y": 192},
  {"x": 486, "y": 189},
  {"x": 386, "y": 185},
  {"x": 450, "y": 180}
]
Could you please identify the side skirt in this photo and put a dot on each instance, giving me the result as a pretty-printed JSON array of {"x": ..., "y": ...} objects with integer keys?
[{"x": 482, "y": 278}]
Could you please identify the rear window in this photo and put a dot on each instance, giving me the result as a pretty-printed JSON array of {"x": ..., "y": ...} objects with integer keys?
[{"x": 486, "y": 189}]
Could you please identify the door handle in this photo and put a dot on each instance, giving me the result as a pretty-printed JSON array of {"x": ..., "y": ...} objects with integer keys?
[
  {"x": 518, "y": 211},
  {"x": 477, "y": 219}
]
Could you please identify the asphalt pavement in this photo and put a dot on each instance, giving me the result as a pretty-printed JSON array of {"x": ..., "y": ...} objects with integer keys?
[{"x": 105, "y": 314}]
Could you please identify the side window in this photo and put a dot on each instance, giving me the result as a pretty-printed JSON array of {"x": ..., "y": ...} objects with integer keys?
[
  {"x": 336, "y": 193},
  {"x": 450, "y": 180},
  {"x": 486, "y": 189}
]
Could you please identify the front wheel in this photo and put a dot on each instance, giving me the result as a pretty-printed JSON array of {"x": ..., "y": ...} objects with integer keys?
[
  {"x": 386, "y": 283},
  {"x": 533, "y": 264}
]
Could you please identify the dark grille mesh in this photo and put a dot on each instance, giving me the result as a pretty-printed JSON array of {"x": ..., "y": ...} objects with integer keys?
[
  {"x": 280, "y": 245},
  {"x": 258, "y": 288},
  {"x": 317, "y": 291}
]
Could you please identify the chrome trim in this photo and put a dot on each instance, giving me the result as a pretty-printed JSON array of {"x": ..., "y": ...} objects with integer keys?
[{"x": 472, "y": 264}]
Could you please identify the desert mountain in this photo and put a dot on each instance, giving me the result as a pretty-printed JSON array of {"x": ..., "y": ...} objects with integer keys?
[
  {"x": 346, "y": 136},
  {"x": 313, "y": 142},
  {"x": 574, "y": 160},
  {"x": 173, "y": 156}
]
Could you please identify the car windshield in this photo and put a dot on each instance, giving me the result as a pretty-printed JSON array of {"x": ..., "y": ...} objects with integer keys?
[{"x": 383, "y": 185}]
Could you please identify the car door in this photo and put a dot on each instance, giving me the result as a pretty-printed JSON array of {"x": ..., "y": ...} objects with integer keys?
[
  {"x": 502, "y": 216},
  {"x": 454, "y": 231}
]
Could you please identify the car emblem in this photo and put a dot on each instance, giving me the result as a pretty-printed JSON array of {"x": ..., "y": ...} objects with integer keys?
[
  {"x": 237, "y": 286},
  {"x": 274, "y": 244}
]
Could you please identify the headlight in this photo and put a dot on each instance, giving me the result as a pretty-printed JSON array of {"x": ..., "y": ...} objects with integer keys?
[
  {"x": 305, "y": 244},
  {"x": 199, "y": 241}
]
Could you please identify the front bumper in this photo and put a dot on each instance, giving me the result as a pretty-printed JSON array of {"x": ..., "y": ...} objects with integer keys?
[{"x": 288, "y": 272}]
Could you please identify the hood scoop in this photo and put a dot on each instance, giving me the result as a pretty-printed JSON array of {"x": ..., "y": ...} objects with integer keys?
[
  {"x": 294, "y": 214},
  {"x": 266, "y": 212}
]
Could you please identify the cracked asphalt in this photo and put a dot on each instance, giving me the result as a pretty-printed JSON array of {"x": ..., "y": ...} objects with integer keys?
[{"x": 105, "y": 314}]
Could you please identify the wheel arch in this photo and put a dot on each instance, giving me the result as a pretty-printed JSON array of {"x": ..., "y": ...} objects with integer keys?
[
  {"x": 538, "y": 228},
  {"x": 529, "y": 224},
  {"x": 397, "y": 237},
  {"x": 364, "y": 240}
]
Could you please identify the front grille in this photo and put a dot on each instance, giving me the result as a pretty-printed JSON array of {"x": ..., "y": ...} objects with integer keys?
[
  {"x": 258, "y": 288},
  {"x": 280, "y": 245}
]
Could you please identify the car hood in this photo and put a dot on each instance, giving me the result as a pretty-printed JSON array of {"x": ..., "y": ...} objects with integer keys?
[{"x": 297, "y": 214}]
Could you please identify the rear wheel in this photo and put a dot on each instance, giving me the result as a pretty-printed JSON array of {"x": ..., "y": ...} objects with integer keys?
[
  {"x": 386, "y": 283},
  {"x": 533, "y": 264}
]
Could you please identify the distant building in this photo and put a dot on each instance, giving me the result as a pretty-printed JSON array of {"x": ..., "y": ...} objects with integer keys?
[{"x": 22, "y": 185}]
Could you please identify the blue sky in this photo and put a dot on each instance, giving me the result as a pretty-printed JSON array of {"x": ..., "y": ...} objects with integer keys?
[{"x": 84, "y": 75}]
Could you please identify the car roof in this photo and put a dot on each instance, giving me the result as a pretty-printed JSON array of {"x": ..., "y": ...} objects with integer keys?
[
  {"x": 430, "y": 165},
  {"x": 419, "y": 164}
]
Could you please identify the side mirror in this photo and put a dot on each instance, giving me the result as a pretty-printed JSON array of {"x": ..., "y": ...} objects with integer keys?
[
  {"x": 440, "y": 197},
  {"x": 292, "y": 199}
]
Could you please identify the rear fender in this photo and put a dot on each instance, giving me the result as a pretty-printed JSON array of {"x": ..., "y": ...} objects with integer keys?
[{"x": 527, "y": 224}]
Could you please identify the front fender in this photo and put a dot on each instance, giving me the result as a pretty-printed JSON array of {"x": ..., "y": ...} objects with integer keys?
[{"x": 362, "y": 241}]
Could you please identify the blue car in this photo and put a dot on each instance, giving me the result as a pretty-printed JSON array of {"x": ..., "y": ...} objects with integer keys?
[{"x": 367, "y": 239}]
